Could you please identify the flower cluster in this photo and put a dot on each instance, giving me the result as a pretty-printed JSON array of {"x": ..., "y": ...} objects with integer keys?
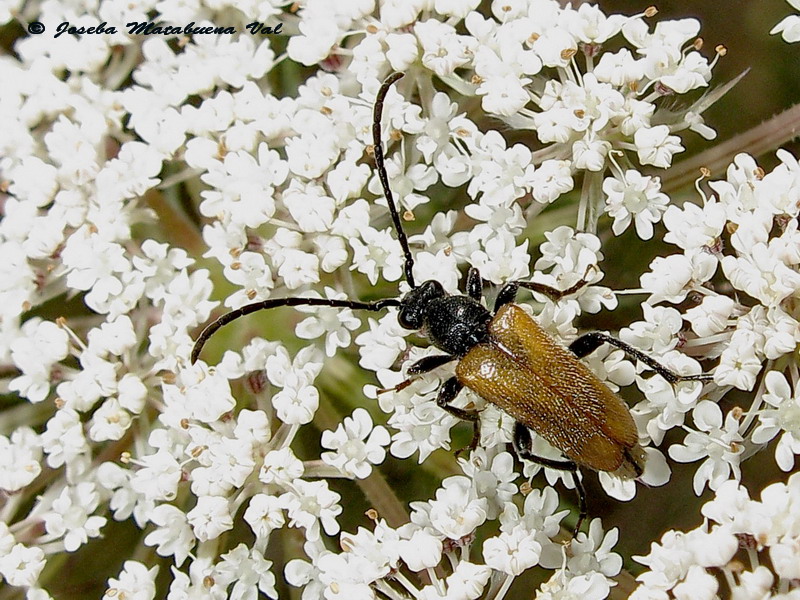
[
  {"x": 746, "y": 548},
  {"x": 396, "y": 561},
  {"x": 735, "y": 281},
  {"x": 141, "y": 175}
]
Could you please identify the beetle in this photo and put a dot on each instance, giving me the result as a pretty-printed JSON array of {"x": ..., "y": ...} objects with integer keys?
[{"x": 506, "y": 358}]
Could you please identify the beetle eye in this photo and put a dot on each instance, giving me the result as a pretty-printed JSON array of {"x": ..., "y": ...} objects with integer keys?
[{"x": 410, "y": 318}]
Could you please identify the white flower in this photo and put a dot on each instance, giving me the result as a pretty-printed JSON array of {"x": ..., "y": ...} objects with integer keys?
[
  {"x": 358, "y": 445},
  {"x": 249, "y": 572},
  {"x": 124, "y": 502},
  {"x": 687, "y": 563},
  {"x": 173, "y": 536},
  {"x": 40, "y": 345},
  {"x": 34, "y": 181},
  {"x": 788, "y": 27},
  {"x": 379, "y": 251},
  {"x": 493, "y": 478},
  {"x": 335, "y": 323},
  {"x": 226, "y": 464},
  {"x": 783, "y": 417},
  {"x": 309, "y": 503},
  {"x": 671, "y": 277},
  {"x": 692, "y": 226},
  {"x": 655, "y": 146},
  {"x": 21, "y": 565},
  {"x": 443, "y": 50},
  {"x": 711, "y": 316},
  {"x": 467, "y": 581},
  {"x": 70, "y": 517},
  {"x": 210, "y": 517},
  {"x": 250, "y": 272},
  {"x": 402, "y": 50},
  {"x": 347, "y": 575},
  {"x": 405, "y": 182},
  {"x": 297, "y": 402},
  {"x": 698, "y": 584},
  {"x": 592, "y": 551},
  {"x": 512, "y": 552},
  {"x": 309, "y": 206},
  {"x": 590, "y": 153},
  {"x": 158, "y": 477},
  {"x": 109, "y": 422},
  {"x": 207, "y": 395},
  {"x": 502, "y": 260},
  {"x": 504, "y": 95},
  {"x": 762, "y": 274},
  {"x": 132, "y": 393},
  {"x": 634, "y": 197},
  {"x": 421, "y": 551},
  {"x": 20, "y": 458},
  {"x": 382, "y": 344},
  {"x": 281, "y": 467},
  {"x": 264, "y": 515},
  {"x": 563, "y": 585},
  {"x": 456, "y": 511},
  {"x": 136, "y": 582},
  {"x": 63, "y": 440},
  {"x": 550, "y": 180},
  {"x": 246, "y": 186},
  {"x": 720, "y": 444}
]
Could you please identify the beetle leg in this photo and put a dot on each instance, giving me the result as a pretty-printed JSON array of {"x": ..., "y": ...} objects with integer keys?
[
  {"x": 447, "y": 393},
  {"x": 509, "y": 291},
  {"x": 589, "y": 342},
  {"x": 474, "y": 284},
  {"x": 523, "y": 445},
  {"x": 506, "y": 295},
  {"x": 425, "y": 364},
  {"x": 583, "y": 508}
]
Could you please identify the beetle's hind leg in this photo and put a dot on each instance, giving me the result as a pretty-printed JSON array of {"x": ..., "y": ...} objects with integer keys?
[
  {"x": 589, "y": 342},
  {"x": 523, "y": 445}
]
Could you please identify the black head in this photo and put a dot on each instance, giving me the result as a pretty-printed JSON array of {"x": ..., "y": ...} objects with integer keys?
[{"x": 414, "y": 303}]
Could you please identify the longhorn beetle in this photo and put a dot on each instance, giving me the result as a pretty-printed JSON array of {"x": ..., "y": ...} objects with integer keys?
[{"x": 506, "y": 358}]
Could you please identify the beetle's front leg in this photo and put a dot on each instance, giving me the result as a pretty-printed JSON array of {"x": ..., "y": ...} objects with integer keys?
[
  {"x": 589, "y": 342},
  {"x": 523, "y": 446},
  {"x": 447, "y": 393},
  {"x": 426, "y": 364}
]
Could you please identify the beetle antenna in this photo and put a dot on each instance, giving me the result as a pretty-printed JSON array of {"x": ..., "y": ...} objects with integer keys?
[
  {"x": 374, "y": 305},
  {"x": 212, "y": 327},
  {"x": 381, "y": 166}
]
